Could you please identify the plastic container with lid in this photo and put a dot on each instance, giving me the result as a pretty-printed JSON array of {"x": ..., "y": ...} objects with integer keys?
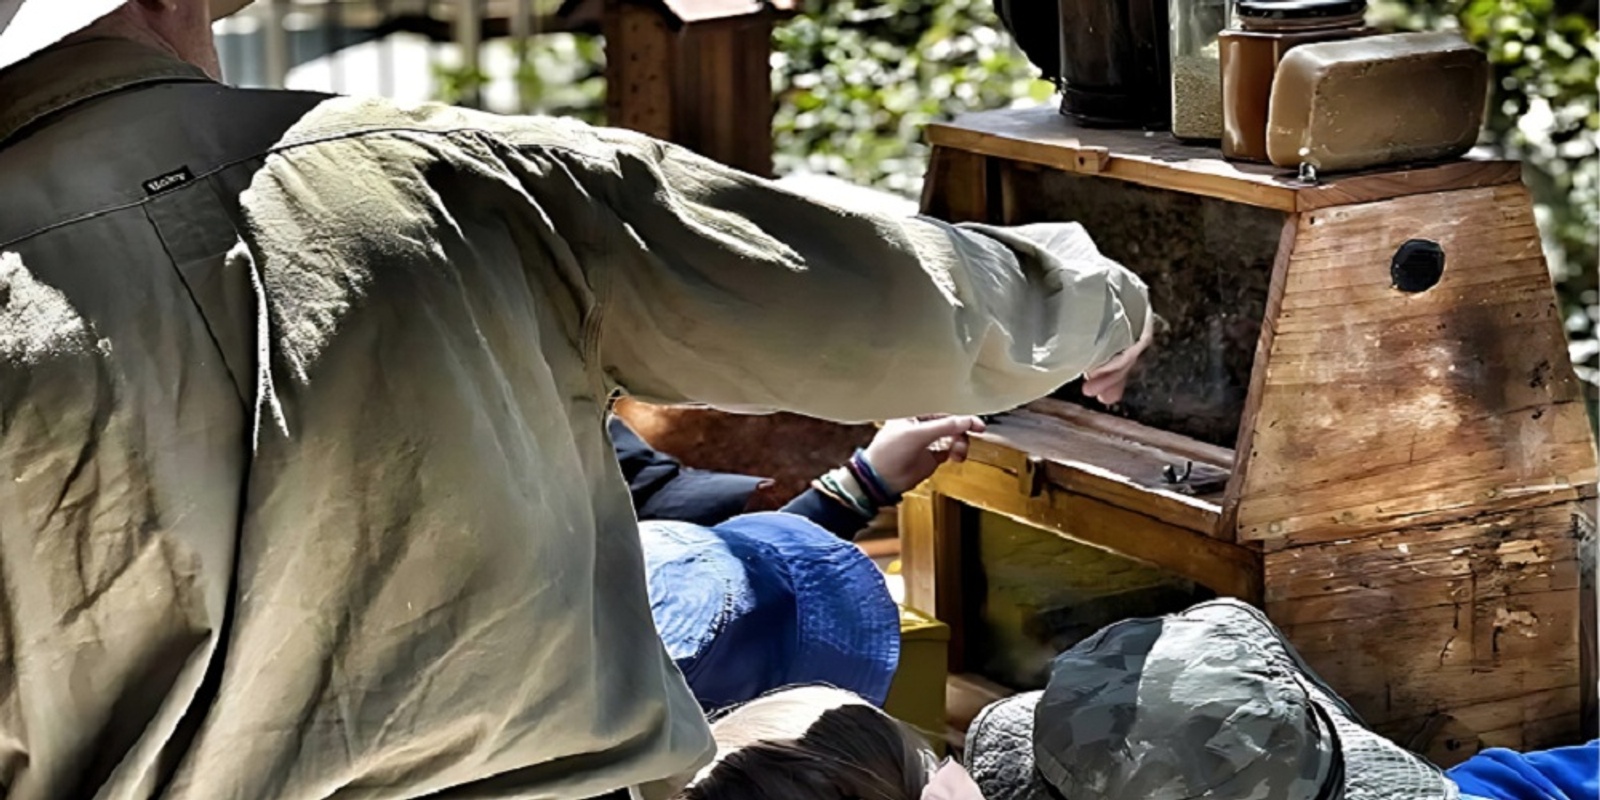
[
  {"x": 1196, "y": 68},
  {"x": 1261, "y": 33}
]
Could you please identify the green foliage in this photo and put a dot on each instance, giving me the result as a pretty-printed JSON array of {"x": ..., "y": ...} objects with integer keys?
[
  {"x": 455, "y": 84},
  {"x": 856, "y": 80},
  {"x": 563, "y": 74},
  {"x": 560, "y": 74}
]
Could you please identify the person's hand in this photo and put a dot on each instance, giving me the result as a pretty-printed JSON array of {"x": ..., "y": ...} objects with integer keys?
[
  {"x": 906, "y": 451},
  {"x": 1107, "y": 382}
]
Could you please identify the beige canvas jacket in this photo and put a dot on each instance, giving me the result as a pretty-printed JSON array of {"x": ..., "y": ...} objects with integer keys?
[{"x": 304, "y": 485}]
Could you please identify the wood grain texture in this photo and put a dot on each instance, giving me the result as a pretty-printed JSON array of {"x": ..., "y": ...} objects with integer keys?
[
  {"x": 932, "y": 563},
  {"x": 640, "y": 64},
  {"x": 1588, "y": 627},
  {"x": 1526, "y": 722},
  {"x": 1513, "y": 552},
  {"x": 1041, "y": 136},
  {"x": 1391, "y": 183},
  {"x": 956, "y": 187},
  {"x": 1225, "y": 568},
  {"x": 917, "y": 550},
  {"x": 701, "y": 84},
  {"x": 1407, "y": 667},
  {"x": 953, "y": 562},
  {"x": 722, "y": 105},
  {"x": 1377, "y": 409},
  {"x": 1244, "y": 444},
  {"x": 1128, "y": 430},
  {"x": 1109, "y": 462},
  {"x": 1413, "y": 478},
  {"x": 1447, "y": 637}
]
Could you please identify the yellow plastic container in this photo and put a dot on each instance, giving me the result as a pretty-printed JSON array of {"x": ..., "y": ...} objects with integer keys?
[{"x": 916, "y": 696}]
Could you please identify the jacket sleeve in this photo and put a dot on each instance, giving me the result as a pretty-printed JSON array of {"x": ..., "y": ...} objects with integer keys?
[
  {"x": 720, "y": 288},
  {"x": 842, "y": 522}
]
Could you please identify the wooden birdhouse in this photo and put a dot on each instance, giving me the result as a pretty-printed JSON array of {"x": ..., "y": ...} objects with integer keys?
[{"x": 692, "y": 72}]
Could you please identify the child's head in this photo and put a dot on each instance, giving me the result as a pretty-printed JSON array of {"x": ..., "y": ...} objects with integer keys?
[{"x": 813, "y": 743}]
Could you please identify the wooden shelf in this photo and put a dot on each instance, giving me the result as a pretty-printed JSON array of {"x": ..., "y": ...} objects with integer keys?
[{"x": 1044, "y": 137}]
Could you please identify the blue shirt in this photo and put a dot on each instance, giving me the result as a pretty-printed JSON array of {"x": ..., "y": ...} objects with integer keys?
[{"x": 1564, "y": 773}]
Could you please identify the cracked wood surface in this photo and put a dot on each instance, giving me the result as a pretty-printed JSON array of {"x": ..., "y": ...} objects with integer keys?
[
  {"x": 1453, "y": 637},
  {"x": 1373, "y": 409}
]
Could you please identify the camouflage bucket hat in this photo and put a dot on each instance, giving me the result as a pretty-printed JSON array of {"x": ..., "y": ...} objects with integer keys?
[{"x": 1210, "y": 703}]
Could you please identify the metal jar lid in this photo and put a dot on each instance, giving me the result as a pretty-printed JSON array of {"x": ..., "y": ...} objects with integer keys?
[{"x": 1300, "y": 10}]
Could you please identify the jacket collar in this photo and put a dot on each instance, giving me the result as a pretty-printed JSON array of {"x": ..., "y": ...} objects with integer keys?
[{"x": 68, "y": 74}]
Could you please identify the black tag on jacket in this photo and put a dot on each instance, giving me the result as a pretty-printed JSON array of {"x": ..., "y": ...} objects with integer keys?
[{"x": 171, "y": 180}]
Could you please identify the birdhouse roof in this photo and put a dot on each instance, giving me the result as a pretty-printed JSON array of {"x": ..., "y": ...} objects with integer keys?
[{"x": 689, "y": 11}]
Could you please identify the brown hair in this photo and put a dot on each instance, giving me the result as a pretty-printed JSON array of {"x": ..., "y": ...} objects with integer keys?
[{"x": 813, "y": 743}]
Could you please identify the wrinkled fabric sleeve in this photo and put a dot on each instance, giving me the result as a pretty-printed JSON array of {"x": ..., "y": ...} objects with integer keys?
[{"x": 727, "y": 290}]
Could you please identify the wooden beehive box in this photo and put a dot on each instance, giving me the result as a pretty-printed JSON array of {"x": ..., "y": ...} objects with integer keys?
[{"x": 1360, "y": 415}]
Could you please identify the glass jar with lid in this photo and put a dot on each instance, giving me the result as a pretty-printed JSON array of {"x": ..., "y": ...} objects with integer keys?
[
  {"x": 1196, "y": 67},
  {"x": 1250, "y": 49}
]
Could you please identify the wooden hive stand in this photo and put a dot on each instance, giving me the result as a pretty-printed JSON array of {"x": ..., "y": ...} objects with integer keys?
[{"x": 1393, "y": 461}]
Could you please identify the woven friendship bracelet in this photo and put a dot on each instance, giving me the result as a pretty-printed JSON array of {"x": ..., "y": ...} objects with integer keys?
[
  {"x": 872, "y": 481},
  {"x": 842, "y": 486}
]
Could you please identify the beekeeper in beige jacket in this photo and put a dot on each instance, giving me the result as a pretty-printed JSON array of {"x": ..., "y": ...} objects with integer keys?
[{"x": 304, "y": 485}]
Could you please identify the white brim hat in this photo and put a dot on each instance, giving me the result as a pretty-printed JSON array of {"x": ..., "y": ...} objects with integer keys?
[{"x": 28, "y": 26}]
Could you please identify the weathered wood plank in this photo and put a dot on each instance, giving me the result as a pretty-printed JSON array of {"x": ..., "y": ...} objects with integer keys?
[
  {"x": 951, "y": 564},
  {"x": 1499, "y": 554},
  {"x": 639, "y": 73},
  {"x": 723, "y": 91},
  {"x": 1525, "y": 722},
  {"x": 1452, "y": 634},
  {"x": 1391, "y": 183},
  {"x": 956, "y": 187},
  {"x": 1421, "y": 661},
  {"x": 1041, "y": 136},
  {"x": 1380, "y": 409},
  {"x": 1129, "y": 430},
  {"x": 1244, "y": 445},
  {"x": 1097, "y": 455},
  {"x": 917, "y": 550},
  {"x": 1416, "y": 467},
  {"x": 933, "y": 562}
]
